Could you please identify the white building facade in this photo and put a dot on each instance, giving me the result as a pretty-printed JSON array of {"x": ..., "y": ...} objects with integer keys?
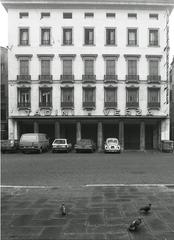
[{"x": 90, "y": 69}]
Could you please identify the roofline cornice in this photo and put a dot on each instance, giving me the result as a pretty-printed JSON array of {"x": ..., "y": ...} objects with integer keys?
[{"x": 10, "y": 3}]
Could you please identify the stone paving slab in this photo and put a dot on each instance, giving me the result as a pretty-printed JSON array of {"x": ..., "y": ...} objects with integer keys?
[{"x": 94, "y": 213}]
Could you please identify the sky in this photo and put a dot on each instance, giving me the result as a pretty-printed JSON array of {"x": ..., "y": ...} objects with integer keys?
[{"x": 4, "y": 30}]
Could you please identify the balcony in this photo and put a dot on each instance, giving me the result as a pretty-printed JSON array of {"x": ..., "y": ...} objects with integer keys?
[
  {"x": 24, "y": 105},
  {"x": 67, "y": 78},
  {"x": 132, "y": 78},
  {"x": 132, "y": 104},
  {"x": 153, "y": 43},
  {"x": 45, "y": 78},
  {"x": 67, "y": 42},
  {"x": 89, "y": 78},
  {"x": 24, "y": 78},
  {"x": 153, "y": 104},
  {"x": 110, "y": 78},
  {"x": 154, "y": 78},
  {"x": 89, "y": 105},
  {"x": 67, "y": 104},
  {"x": 45, "y": 42},
  {"x": 45, "y": 105},
  {"x": 110, "y": 104}
]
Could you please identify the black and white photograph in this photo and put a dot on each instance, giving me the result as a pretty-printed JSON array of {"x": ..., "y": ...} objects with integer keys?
[{"x": 87, "y": 119}]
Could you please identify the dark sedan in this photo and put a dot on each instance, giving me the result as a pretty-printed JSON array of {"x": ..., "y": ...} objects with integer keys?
[{"x": 85, "y": 145}]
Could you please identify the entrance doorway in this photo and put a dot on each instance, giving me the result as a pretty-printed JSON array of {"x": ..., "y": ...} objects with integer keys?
[
  {"x": 89, "y": 131},
  {"x": 149, "y": 137},
  {"x": 68, "y": 131},
  {"x": 132, "y": 136},
  {"x": 110, "y": 131}
]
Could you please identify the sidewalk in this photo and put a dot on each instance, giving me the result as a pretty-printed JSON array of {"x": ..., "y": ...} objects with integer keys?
[{"x": 102, "y": 213}]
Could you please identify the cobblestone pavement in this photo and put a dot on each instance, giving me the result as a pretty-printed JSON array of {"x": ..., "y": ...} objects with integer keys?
[{"x": 101, "y": 213}]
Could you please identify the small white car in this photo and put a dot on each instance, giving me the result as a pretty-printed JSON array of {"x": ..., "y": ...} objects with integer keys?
[
  {"x": 61, "y": 144},
  {"x": 112, "y": 145}
]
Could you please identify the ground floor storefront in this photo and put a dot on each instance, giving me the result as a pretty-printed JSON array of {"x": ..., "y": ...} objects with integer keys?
[{"x": 133, "y": 134}]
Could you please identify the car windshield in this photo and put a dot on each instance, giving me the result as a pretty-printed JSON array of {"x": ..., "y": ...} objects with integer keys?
[
  {"x": 114, "y": 140},
  {"x": 84, "y": 141},
  {"x": 59, "y": 141}
]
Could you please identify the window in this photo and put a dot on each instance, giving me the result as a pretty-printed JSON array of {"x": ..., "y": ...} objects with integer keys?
[
  {"x": 153, "y": 97},
  {"x": 110, "y": 97},
  {"x": 24, "y": 99},
  {"x": 45, "y": 36},
  {"x": 45, "y": 67},
  {"x": 89, "y": 36},
  {"x": 89, "y": 67},
  {"x": 45, "y": 97},
  {"x": 67, "y": 97},
  {"x": 153, "y": 37},
  {"x": 24, "y": 67},
  {"x": 67, "y": 36},
  {"x": 153, "y": 16},
  {"x": 24, "y": 36},
  {"x": 132, "y": 97},
  {"x": 110, "y": 67},
  {"x": 132, "y": 37},
  {"x": 67, "y": 67},
  {"x": 132, "y": 15},
  {"x": 45, "y": 14},
  {"x": 23, "y": 14},
  {"x": 89, "y": 97},
  {"x": 110, "y": 15},
  {"x": 110, "y": 36},
  {"x": 67, "y": 15},
  {"x": 89, "y": 14},
  {"x": 153, "y": 67},
  {"x": 132, "y": 67}
]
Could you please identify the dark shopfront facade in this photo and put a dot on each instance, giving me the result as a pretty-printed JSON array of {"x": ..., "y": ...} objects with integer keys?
[{"x": 133, "y": 133}]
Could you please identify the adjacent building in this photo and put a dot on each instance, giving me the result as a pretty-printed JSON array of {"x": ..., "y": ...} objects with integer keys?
[
  {"x": 90, "y": 69},
  {"x": 4, "y": 92},
  {"x": 172, "y": 100}
]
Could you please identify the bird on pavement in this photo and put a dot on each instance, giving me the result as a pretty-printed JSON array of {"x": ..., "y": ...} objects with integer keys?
[
  {"x": 135, "y": 224},
  {"x": 63, "y": 210},
  {"x": 146, "y": 209}
]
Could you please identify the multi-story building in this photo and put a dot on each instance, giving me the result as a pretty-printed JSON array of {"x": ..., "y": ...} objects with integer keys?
[
  {"x": 4, "y": 92},
  {"x": 172, "y": 100},
  {"x": 90, "y": 69}
]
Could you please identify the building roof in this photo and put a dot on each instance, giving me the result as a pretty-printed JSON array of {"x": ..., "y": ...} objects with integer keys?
[{"x": 93, "y": 2}]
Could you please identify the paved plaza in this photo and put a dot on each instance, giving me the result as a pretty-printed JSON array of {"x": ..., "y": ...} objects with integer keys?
[
  {"x": 102, "y": 194},
  {"x": 101, "y": 213}
]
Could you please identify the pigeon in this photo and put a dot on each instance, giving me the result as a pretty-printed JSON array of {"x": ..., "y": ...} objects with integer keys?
[
  {"x": 134, "y": 225},
  {"x": 63, "y": 210},
  {"x": 146, "y": 209}
]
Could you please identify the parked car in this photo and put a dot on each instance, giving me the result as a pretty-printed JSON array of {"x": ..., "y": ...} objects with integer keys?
[
  {"x": 34, "y": 142},
  {"x": 9, "y": 145},
  {"x": 112, "y": 145},
  {"x": 61, "y": 144},
  {"x": 85, "y": 145}
]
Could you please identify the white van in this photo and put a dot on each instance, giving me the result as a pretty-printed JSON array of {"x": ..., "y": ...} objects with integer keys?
[{"x": 37, "y": 142}]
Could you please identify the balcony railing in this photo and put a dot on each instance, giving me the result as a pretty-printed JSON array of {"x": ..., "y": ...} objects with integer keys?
[
  {"x": 153, "y": 104},
  {"x": 110, "y": 78},
  {"x": 132, "y": 78},
  {"x": 67, "y": 104},
  {"x": 153, "y": 43},
  {"x": 132, "y": 43},
  {"x": 67, "y": 78},
  {"x": 45, "y": 78},
  {"x": 89, "y": 78},
  {"x": 45, "y": 104},
  {"x": 45, "y": 42},
  {"x": 132, "y": 104},
  {"x": 23, "y": 78},
  {"x": 24, "y": 42},
  {"x": 89, "y": 105},
  {"x": 110, "y": 104},
  {"x": 67, "y": 42},
  {"x": 154, "y": 78},
  {"x": 24, "y": 104}
]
